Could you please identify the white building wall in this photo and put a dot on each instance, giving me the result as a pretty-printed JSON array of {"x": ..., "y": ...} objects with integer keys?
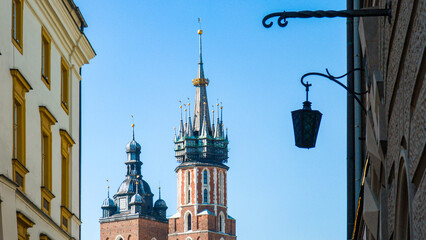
[{"x": 68, "y": 42}]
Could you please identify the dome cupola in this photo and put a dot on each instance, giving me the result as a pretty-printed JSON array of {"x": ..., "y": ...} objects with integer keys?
[
  {"x": 108, "y": 206},
  {"x": 160, "y": 206},
  {"x": 108, "y": 202},
  {"x": 137, "y": 203},
  {"x": 133, "y": 148}
]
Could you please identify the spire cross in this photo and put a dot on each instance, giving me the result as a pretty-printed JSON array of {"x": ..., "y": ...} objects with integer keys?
[
  {"x": 200, "y": 70},
  {"x": 133, "y": 127},
  {"x": 221, "y": 112},
  {"x": 108, "y": 187},
  {"x": 159, "y": 192}
]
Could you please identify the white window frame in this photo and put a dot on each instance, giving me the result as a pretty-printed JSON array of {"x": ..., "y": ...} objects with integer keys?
[
  {"x": 222, "y": 224},
  {"x": 188, "y": 186},
  {"x": 186, "y": 221}
]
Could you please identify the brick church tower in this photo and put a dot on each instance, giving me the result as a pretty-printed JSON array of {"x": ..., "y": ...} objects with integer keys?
[
  {"x": 132, "y": 214},
  {"x": 201, "y": 148}
]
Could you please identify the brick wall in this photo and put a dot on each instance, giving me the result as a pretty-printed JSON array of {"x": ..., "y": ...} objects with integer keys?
[{"x": 136, "y": 229}]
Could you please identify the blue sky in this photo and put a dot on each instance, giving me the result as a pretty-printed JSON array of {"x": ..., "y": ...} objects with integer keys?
[{"x": 147, "y": 54}]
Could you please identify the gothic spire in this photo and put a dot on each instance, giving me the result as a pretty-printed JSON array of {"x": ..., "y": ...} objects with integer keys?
[
  {"x": 200, "y": 62},
  {"x": 201, "y": 110},
  {"x": 181, "y": 128},
  {"x": 204, "y": 130},
  {"x": 218, "y": 129},
  {"x": 188, "y": 129},
  {"x": 213, "y": 126}
]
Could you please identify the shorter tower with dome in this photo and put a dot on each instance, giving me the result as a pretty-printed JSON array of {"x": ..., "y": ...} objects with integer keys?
[{"x": 131, "y": 214}]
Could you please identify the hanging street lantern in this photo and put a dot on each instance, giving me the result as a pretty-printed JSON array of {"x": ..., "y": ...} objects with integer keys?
[
  {"x": 306, "y": 124},
  {"x": 306, "y": 121}
]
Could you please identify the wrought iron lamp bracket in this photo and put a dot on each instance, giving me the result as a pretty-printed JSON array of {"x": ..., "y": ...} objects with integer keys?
[
  {"x": 282, "y": 16},
  {"x": 334, "y": 79}
]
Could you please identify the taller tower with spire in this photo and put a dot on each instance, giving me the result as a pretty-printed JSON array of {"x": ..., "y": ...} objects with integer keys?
[{"x": 201, "y": 149}]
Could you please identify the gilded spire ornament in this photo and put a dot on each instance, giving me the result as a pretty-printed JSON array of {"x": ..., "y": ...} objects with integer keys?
[{"x": 200, "y": 80}]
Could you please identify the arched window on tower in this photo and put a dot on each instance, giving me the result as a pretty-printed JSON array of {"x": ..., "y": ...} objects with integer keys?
[
  {"x": 221, "y": 188},
  {"x": 188, "y": 178},
  {"x": 188, "y": 187},
  {"x": 205, "y": 177},
  {"x": 205, "y": 196},
  {"x": 188, "y": 221},
  {"x": 188, "y": 197},
  {"x": 221, "y": 222}
]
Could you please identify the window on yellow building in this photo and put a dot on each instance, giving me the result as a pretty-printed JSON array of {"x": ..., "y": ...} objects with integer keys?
[
  {"x": 23, "y": 224},
  {"x": 17, "y": 23},
  {"x": 20, "y": 87},
  {"x": 66, "y": 144},
  {"x": 44, "y": 237},
  {"x": 65, "y": 181},
  {"x": 65, "y": 101},
  {"x": 45, "y": 58},
  {"x": 47, "y": 120}
]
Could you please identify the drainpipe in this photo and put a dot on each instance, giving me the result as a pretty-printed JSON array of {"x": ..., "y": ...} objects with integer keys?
[
  {"x": 358, "y": 120},
  {"x": 350, "y": 125},
  {"x": 79, "y": 154}
]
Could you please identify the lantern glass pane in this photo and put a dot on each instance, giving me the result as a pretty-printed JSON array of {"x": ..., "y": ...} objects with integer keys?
[{"x": 306, "y": 125}]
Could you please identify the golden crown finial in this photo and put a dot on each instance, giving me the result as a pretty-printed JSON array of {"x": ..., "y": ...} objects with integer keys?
[{"x": 133, "y": 125}]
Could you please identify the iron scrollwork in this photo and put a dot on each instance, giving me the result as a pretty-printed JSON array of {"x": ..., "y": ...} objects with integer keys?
[
  {"x": 334, "y": 79},
  {"x": 282, "y": 16}
]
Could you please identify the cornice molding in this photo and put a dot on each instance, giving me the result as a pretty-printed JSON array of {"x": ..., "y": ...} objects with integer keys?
[
  {"x": 65, "y": 34},
  {"x": 185, "y": 165}
]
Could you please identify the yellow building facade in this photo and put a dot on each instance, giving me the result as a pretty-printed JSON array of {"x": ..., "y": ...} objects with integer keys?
[{"x": 43, "y": 48}]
